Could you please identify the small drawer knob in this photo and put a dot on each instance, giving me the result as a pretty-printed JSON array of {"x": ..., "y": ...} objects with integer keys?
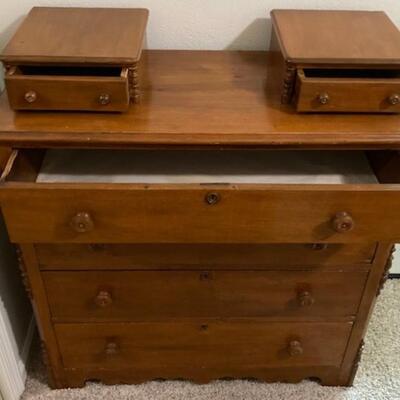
[
  {"x": 212, "y": 198},
  {"x": 295, "y": 348},
  {"x": 343, "y": 222},
  {"x": 103, "y": 299},
  {"x": 111, "y": 348},
  {"x": 104, "y": 99},
  {"x": 30, "y": 96},
  {"x": 82, "y": 222},
  {"x": 323, "y": 98},
  {"x": 394, "y": 99},
  {"x": 305, "y": 298}
]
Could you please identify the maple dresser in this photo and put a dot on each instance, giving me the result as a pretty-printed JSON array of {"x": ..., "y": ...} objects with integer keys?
[{"x": 209, "y": 232}]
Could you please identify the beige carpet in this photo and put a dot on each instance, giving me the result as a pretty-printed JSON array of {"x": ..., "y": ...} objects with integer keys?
[{"x": 378, "y": 377}]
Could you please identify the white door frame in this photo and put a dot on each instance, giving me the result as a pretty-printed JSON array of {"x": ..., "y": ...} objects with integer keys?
[{"x": 12, "y": 362}]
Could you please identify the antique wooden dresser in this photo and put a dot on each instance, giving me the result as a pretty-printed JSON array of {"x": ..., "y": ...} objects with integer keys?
[{"x": 209, "y": 232}]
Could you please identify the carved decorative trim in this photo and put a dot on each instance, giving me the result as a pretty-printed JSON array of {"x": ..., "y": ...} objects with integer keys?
[
  {"x": 46, "y": 361},
  {"x": 386, "y": 271},
  {"x": 288, "y": 83},
  {"x": 24, "y": 274},
  {"x": 133, "y": 78},
  {"x": 357, "y": 361}
]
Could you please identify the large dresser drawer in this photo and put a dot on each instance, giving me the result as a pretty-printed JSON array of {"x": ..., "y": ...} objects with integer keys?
[
  {"x": 195, "y": 213},
  {"x": 200, "y": 256},
  {"x": 262, "y": 214},
  {"x": 122, "y": 296},
  {"x": 208, "y": 344}
]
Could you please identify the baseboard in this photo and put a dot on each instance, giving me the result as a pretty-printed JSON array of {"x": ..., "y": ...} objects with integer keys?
[
  {"x": 394, "y": 276},
  {"x": 13, "y": 363}
]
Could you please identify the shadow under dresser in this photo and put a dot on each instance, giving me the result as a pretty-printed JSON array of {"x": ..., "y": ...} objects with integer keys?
[{"x": 209, "y": 247}]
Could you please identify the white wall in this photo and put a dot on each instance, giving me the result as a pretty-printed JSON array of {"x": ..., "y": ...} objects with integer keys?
[{"x": 200, "y": 24}]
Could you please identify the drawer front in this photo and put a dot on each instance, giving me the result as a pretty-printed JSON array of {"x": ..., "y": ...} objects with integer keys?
[
  {"x": 199, "y": 256},
  {"x": 97, "y": 296},
  {"x": 255, "y": 214},
  {"x": 68, "y": 93},
  {"x": 347, "y": 95},
  {"x": 212, "y": 344}
]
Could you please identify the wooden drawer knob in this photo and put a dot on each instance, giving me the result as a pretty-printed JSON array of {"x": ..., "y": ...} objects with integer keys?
[
  {"x": 212, "y": 198},
  {"x": 104, "y": 99},
  {"x": 323, "y": 98},
  {"x": 295, "y": 348},
  {"x": 82, "y": 222},
  {"x": 111, "y": 348},
  {"x": 394, "y": 99},
  {"x": 343, "y": 222},
  {"x": 103, "y": 299},
  {"x": 30, "y": 96},
  {"x": 305, "y": 298}
]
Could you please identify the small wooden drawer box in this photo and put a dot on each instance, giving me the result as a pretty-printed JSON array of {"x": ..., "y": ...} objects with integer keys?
[
  {"x": 338, "y": 61},
  {"x": 75, "y": 59}
]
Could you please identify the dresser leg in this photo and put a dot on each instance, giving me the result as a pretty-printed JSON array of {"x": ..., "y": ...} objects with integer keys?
[
  {"x": 35, "y": 288},
  {"x": 377, "y": 277}
]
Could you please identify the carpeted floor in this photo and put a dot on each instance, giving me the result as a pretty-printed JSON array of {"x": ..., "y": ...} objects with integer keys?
[{"x": 378, "y": 377}]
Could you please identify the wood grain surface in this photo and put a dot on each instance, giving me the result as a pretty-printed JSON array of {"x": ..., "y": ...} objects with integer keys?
[{"x": 202, "y": 98}]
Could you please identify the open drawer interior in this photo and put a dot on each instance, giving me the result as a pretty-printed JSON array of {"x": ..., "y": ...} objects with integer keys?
[
  {"x": 202, "y": 167},
  {"x": 343, "y": 73},
  {"x": 57, "y": 70}
]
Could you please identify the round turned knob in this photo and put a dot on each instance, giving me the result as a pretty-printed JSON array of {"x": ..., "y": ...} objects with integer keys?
[
  {"x": 104, "y": 99},
  {"x": 103, "y": 299},
  {"x": 111, "y": 348},
  {"x": 212, "y": 198},
  {"x": 305, "y": 298},
  {"x": 394, "y": 99},
  {"x": 343, "y": 222},
  {"x": 82, "y": 222},
  {"x": 323, "y": 98},
  {"x": 30, "y": 96},
  {"x": 295, "y": 348}
]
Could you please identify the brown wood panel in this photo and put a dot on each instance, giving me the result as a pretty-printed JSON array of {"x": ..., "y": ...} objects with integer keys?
[
  {"x": 346, "y": 94},
  {"x": 224, "y": 345},
  {"x": 201, "y": 98},
  {"x": 377, "y": 278},
  {"x": 173, "y": 214},
  {"x": 67, "y": 92},
  {"x": 199, "y": 256},
  {"x": 337, "y": 36},
  {"x": 34, "y": 286},
  {"x": 80, "y": 35},
  {"x": 125, "y": 296}
]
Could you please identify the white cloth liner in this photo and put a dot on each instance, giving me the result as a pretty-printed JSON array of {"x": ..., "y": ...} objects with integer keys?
[{"x": 214, "y": 166}]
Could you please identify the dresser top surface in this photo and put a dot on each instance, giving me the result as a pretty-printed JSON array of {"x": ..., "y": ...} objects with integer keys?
[
  {"x": 337, "y": 37},
  {"x": 78, "y": 35},
  {"x": 202, "y": 98}
]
